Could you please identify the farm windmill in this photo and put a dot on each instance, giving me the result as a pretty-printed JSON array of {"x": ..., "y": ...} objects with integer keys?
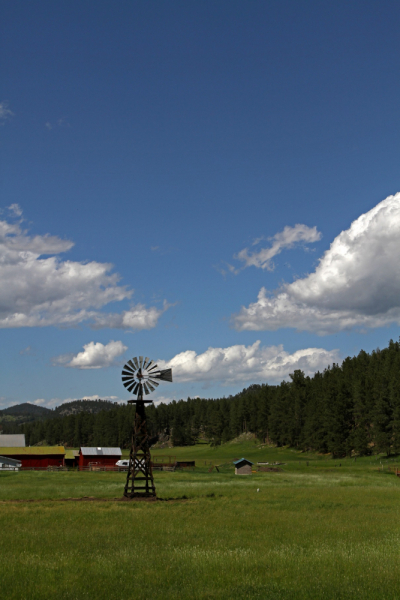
[{"x": 141, "y": 376}]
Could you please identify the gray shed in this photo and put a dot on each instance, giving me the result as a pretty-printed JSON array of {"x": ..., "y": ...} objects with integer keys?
[
  {"x": 243, "y": 466},
  {"x": 16, "y": 440}
]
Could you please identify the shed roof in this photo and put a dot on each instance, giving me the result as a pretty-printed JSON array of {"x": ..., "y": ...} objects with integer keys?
[
  {"x": 10, "y": 461},
  {"x": 236, "y": 462},
  {"x": 101, "y": 451},
  {"x": 71, "y": 454},
  {"x": 33, "y": 450},
  {"x": 15, "y": 440}
]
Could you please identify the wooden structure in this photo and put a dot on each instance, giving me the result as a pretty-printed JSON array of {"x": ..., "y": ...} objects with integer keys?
[
  {"x": 71, "y": 458},
  {"x": 140, "y": 481},
  {"x": 36, "y": 457},
  {"x": 141, "y": 375},
  {"x": 163, "y": 463},
  {"x": 243, "y": 466},
  {"x": 98, "y": 457}
]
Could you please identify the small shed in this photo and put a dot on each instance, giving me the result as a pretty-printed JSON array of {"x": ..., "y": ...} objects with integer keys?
[
  {"x": 71, "y": 458},
  {"x": 99, "y": 457},
  {"x": 15, "y": 440},
  {"x": 9, "y": 464},
  {"x": 36, "y": 457},
  {"x": 243, "y": 466}
]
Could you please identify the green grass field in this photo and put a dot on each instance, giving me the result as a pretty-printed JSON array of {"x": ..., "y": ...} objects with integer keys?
[{"x": 316, "y": 531}]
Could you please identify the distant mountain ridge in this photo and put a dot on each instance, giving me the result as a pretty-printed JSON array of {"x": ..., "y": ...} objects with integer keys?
[
  {"x": 88, "y": 406},
  {"x": 26, "y": 409},
  {"x": 26, "y": 412}
]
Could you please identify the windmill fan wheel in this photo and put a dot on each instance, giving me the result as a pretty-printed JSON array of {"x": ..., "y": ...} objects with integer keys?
[{"x": 142, "y": 375}]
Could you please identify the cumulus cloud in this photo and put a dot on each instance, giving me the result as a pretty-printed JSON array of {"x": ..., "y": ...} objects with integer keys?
[
  {"x": 5, "y": 112},
  {"x": 356, "y": 283},
  {"x": 240, "y": 363},
  {"x": 288, "y": 238},
  {"x": 37, "y": 291},
  {"x": 95, "y": 355},
  {"x": 136, "y": 318}
]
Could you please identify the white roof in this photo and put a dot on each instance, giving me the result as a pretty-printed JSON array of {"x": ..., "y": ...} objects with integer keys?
[
  {"x": 16, "y": 440},
  {"x": 101, "y": 451},
  {"x": 10, "y": 461}
]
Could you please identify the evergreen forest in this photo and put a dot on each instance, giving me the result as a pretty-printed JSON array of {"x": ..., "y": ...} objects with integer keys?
[{"x": 351, "y": 409}]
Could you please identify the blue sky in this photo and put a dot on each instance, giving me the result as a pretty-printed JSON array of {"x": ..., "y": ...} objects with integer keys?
[{"x": 162, "y": 163}]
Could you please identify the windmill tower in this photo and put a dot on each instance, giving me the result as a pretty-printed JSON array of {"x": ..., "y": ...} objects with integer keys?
[{"x": 141, "y": 376}]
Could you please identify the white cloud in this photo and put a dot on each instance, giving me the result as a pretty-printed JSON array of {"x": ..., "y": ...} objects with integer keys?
[
  {"x": 28, "y": 350},
  {"x": 241, "y": 363},
  {"x": 136, "y": 318},
  {"x": 59, "y": 401},
  {"x": 59, "y": 123},
  {"x": 163, "y": 400},
  {"x": 5, "y": 112},
  {"x": 288, "y": 238},
  {"x": 37, "y": 291},
  {"x": 95, "y": 355},
  {"x": 356, "y": 284},
  {"x": 16, "y": 209}
]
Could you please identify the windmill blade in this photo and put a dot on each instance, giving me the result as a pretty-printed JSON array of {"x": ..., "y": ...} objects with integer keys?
[
  {"x": 132, "y": 385},
  {"x": 145, "y": 365},
  {"x": 130, "y": 378},
  {"x": 153, "y": 368},
  {"x": 136, "y": 388},
  {"x": 141, "y": 361},
  {"x": 151, "y": 365},
  {"x": 146, "y": 389},
  {"x": 130, "y": 363},
  {"x": 154, "y": 382},
  {"x": 150, "y": 387},
  {"x": 135, "y": 360},
  {"x": 127, "y": 383},
  {"x": 128, "y": 368},
  {"x": 128, "y": 373}
]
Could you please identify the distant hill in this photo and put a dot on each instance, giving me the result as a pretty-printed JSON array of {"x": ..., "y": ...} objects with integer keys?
[
  {"x": 13, "y": 416},
  {"x": 78, "y": 406},
  {"x": 27, "y": 413},
  {"x": 26, "y": 410}
]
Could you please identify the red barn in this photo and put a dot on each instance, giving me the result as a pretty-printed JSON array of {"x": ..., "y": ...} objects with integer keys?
[
  {"x": 99, "y": 457},
  {"x": 36, "y": 457}
]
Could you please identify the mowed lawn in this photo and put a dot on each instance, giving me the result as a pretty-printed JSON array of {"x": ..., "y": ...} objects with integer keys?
[{"x": 317, "y": 531}]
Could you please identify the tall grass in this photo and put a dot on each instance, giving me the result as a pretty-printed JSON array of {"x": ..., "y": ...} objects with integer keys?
[{"x": 308, "y": 533}]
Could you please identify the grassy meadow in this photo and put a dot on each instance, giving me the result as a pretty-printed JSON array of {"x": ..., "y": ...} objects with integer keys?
[{"x": 316, "y": 531}]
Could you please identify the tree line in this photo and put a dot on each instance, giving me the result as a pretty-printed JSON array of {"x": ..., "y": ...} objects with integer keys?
[{"x": 351, "y": 408}]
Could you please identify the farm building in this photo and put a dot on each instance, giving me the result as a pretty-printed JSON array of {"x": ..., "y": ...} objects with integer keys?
[
  {"x": 243, "y": 466},
  {"x": 71, "y": 458},
  {"x": 15, "y": 440},
  {"x": 99, "y": 457},
  {"x": 9, "y": 464},
  {"x": 37, "y": 457}
]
